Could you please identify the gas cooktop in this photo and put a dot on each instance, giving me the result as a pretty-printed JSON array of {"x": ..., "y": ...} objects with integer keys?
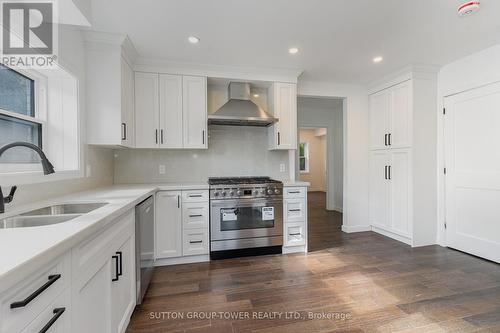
[{"x": 241, "y": 181}]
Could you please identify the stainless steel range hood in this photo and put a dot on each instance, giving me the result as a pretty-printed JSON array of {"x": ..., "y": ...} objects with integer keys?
[{"x": 240, "y": 110}]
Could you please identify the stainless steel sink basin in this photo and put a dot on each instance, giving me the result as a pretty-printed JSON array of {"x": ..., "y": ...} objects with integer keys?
[
  {"x": 75, "y": 208},
  {"x": 35, "y": 221}
]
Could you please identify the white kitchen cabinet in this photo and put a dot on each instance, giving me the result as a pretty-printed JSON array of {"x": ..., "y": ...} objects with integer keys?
[
  {"x": 294, "y": 219},
  {"x": 171, "y": 111},
  {"x": 194, "y": 109},
  {"x": 195, "y": 242},
  {"x": 391, "y": 117},
  {"x": 283, "y": 105},
  {"x": 59, "y": 310},
  {"x": 390, "y": 192},
  {"x": 168, "y": 224},
  {"x": 110, "y": 90},
  {"x": 147, "y": 112},
  {"x": 123, "y": 290}
]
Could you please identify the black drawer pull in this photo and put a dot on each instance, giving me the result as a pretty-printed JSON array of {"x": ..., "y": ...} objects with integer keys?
[
  {"x": 27, "y": 300},
  {"x": 57, "y": 313},
  {"x": 196, "y": 215},
  {"x": 294, "y": 192},
  {"x": 116, "y": 278},
  {"x": 195, "y": 195},
  {"x": 195, "y": 242},
  {"x": 120, "y": 257},
  {"x": 294, "y": 210},
  {"x": 297, "y": 234}
]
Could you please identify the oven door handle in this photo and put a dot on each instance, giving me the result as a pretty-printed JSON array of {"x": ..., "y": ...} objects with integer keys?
[{"x": 245, "y": 203}]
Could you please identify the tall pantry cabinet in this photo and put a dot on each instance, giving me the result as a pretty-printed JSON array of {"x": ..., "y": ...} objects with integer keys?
[{"x": 402, "y": 174}]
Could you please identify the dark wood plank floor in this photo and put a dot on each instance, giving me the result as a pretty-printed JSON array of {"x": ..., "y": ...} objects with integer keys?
[{"x": 365, "y": 283}]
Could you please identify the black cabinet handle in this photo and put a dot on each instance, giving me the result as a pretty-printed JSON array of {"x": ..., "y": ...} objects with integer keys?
[
  {"x": 196, "y": 215},
  {"x": 390, "y": 177},
  {"x": 116, "y": 278},
  {"x": 124, "y": 131},
  {"x": 385, "y": 139},
  {"x": 120, "y": 257},
  {"x": 296, "y": 234},
  {"x": 279, "y": 139},
  {"x": 389, "y": 139},
  {"x": 195, "y": 195},
  {"x": 294, "y": 192},
  {"x": 178, "y": 201},
  {"x": 161, "y": 136},
  {"x": 156, "y": 136},
  {"x": 57, "y": 313},
  {"x": 27, "y": 300},
  {"x": 385, "y": 172},
  {"x": 203, "y": 137},
  {"x": 294, "y": 210},
  {"x": 195, "y": 242}
]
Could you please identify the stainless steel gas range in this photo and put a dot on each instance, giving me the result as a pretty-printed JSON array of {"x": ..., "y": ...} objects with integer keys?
[{"x": 246, "y": 216}]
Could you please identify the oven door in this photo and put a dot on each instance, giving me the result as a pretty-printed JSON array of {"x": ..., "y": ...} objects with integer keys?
[{"x": 245, "y": 218}]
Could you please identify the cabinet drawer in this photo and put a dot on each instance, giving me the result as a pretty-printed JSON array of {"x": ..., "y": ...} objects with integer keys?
[
  {"x": 294, "y": 192},
  {"x": 195, "y": 196},
  {"x": 195, "y": 242},
  {"x": 295, "y": 234},
  {"x": 195, "y": 215},
  {"x": 58, "y": 312},
  {"x": 295, "y": 210},
  {"x": 37, "y": 292}
]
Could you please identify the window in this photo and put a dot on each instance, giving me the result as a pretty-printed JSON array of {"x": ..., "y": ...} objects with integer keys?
[
  {"x": 18, "y": 116},
  {"x": 304, "y": 157}
]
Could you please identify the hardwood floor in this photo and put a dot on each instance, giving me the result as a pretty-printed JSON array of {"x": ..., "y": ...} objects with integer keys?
[{"x": 365, "y": 283}]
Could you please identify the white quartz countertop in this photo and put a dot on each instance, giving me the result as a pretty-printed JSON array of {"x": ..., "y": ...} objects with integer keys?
[
  {"x": 22, "y": 248},
  {"x": 297, "y": 183}
]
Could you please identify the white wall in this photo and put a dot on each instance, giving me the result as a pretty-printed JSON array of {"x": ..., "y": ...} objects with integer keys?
[
  {"x": 232, "y": 151},
  {"x": 355, "y": 200},
  {"x": 72, "y": 57},
  {"x": 316, "y": 175},
  {"x": 327, "y": 112},
  {"x": 476, "y": 70}
]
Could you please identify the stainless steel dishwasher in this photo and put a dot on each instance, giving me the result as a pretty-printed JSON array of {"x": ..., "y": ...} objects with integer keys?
[{"x": 144, "y": 245}]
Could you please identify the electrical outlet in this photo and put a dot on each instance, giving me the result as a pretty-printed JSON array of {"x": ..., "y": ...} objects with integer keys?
[
  {"x": 282, "y": 167},
  {"x": 161, "y": 169}
]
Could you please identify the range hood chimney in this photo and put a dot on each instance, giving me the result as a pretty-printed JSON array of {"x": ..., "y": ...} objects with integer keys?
[{"x": 240, "y": 110}]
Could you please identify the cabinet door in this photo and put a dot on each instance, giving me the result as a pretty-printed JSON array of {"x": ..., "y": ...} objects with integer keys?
[
  {"x": 284, "y": 133},
  {"x": 379, "y": 119},
  {"x": 127, "y": 103},
  {"x": 401, "y": 116},
  {"x": 400, "y": 182},
  {"x": 91, "y": 296},
  {"x": 170, "y": 111},
  {"x": 147, "y": 112},
  {"x": 379, "y": 189},
  {"x": 194, "y": 105},
  {"x": 123, "y": 290},
  {"x": 168, "y": 224}
]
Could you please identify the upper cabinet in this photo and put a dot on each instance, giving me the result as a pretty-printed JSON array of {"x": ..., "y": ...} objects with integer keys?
[
  {"x": 282, "y": 135},
  {"x": 170, "y": 111},
  {"x": 110, "y": 90},
  {"x": 391, "y": 117}
]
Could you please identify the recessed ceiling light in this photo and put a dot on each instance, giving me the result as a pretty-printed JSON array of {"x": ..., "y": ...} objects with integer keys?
[
  {"x": 193, "y": 39},
  {"x": 293, "y": 50},
  {"x": 377, "y": 59},
  {"x": 255, "y": 95}
]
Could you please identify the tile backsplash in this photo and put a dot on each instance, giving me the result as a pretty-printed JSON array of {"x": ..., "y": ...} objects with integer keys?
[{"x": 233, "y": 151}]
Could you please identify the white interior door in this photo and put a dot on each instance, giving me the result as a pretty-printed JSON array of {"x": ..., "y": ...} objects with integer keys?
[{"x": 472, "y": 153}]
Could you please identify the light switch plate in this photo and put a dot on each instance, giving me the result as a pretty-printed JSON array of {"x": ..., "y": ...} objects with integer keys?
[{"x": 161, "y": 169}]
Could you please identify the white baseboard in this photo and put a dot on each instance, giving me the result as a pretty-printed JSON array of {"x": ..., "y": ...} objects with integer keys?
[
  {"x": 392, "y": 235},
  {"x": 338, "y": 209},
  {"x": 294, "y": 249},
  {"x": 356, "y": 228},
  {"x": 182, "y": 260}
]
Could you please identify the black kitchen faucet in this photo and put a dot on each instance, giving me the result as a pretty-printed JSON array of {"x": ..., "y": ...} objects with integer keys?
[{"x": 48, "y": 168}]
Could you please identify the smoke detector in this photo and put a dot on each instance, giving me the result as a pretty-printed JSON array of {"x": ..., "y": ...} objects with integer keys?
[{"x": 468, "y": 8}]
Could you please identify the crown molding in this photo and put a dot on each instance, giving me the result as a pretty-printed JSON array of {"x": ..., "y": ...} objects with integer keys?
[{"x": 419, "y": 71}]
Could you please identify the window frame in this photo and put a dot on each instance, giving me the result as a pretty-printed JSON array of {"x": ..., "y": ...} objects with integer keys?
[
  {"x": 305, "y": 157},
  {"x": 40, "y": 117}
]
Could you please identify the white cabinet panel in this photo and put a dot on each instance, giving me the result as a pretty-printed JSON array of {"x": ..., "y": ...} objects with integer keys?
[
  {"x": 195, "y": 196},
  {"x": 400, "y": 118},
  {"x": 170, "y": 111},
  {"x": 379, "y": 188},
  {"x": 128, "y": 121},
  {"x": 168, "y": 224},
  {"x": 195, "y": 215},
  {"x": 283, "y": 104},
  {"x": 400, "y": 179},
  {"x": 146, "y": 110},
  {"x": 294, "y": 192},
  {"x": 195, "y": 242},
  {"x": 295, "y": 210},
  {"x": 379, "y": 119},
  {"x": 295, "y": 234},
  {"x": 194, "y": 112},
  {"x": 60, "y": 310}
]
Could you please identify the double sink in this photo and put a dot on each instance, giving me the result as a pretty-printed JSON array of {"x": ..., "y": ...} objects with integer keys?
[{"x": 50, "y": 215}]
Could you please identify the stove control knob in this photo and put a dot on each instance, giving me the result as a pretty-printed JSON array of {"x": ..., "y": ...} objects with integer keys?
[
  {"x": 216, "y": 194},
  {"x": 276, "y": 191},
  {"x": 231, "y": 193},
  {"x": 223, "y": 193},
  {"x": 239, "y": 192},
  {"x": 269, "y": 191}
]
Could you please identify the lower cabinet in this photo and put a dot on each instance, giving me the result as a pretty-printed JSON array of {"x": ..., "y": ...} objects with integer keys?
[
  {"x": 181, "y": 225},
  {"x": 295, "y": 219}
]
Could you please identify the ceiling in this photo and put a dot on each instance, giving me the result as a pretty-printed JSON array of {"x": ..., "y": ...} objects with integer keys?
[{"x": 337, "y": 39}]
